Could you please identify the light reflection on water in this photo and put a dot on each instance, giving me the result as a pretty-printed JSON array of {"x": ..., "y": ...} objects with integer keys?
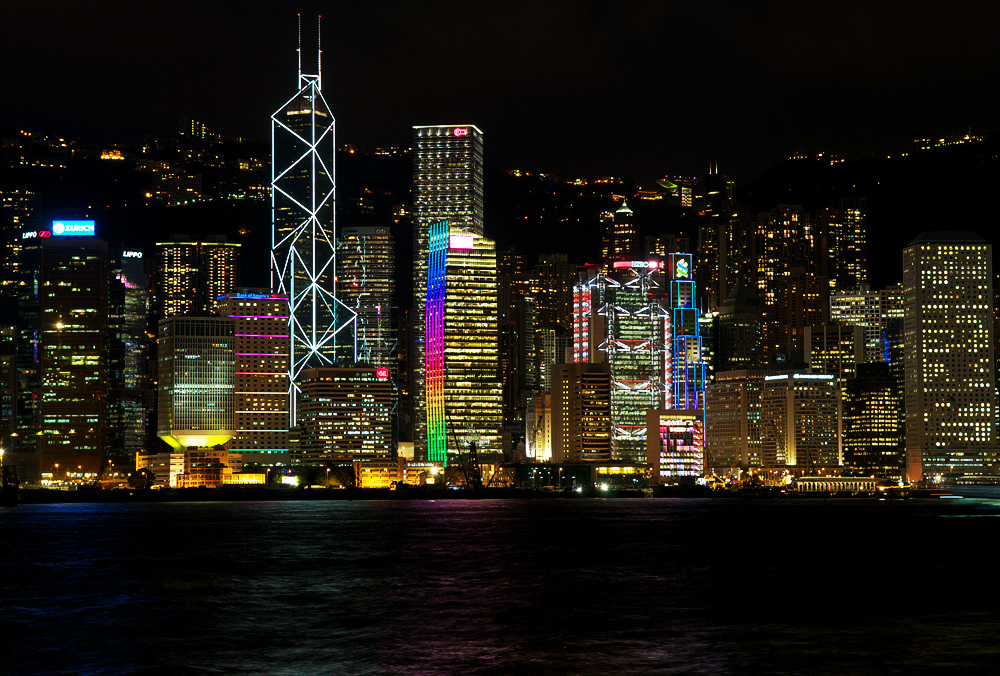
[{"x": 499, "y": 587}]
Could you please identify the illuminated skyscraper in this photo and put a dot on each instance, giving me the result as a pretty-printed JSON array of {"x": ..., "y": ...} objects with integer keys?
[
  {"x": 738, "y": 331},
  {"x": 879, "y": 313},
  {"x": 261, "y": 375},
  {"x": 62, "y": 356},
  {"x": 8, "y": 386},
  {"x": 366, "y": 277},
  {"x": 17, "y": 212},
  {"x": 800, "y": 423},
  {"x": 196, "y": 407},
  {"x": 789, "y": 284},
  {"x": 622, "y": 238},
  {"x": 619, "y": 320},
  {"x": 303, "y": 234},
  {"x": 732, "y": 421},
  {"x": 344, "y": 412},
  {"x": 129, "y": 393},
  {"x": 189, "y": 274},
  {"x": 949, "y": 354},
  {"x": 713, "y": 239},
  {"x": 581, "y": 412},
  {"x": 873, "y": 423},
  {"x": 447, "y": 187},
  {"x": 845, "y": 232},
  {"x": 463, "y": 393}
]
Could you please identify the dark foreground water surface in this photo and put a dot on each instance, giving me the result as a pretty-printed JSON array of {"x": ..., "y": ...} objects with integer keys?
[{"x": 501, "y": 587}]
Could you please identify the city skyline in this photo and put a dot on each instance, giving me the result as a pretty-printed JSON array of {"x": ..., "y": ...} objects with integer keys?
[{"x": 641, "y": 89}]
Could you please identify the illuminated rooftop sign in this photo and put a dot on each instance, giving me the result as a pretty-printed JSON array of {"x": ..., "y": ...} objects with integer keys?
[
  {"x": 638, "y": 264},
  {"x": 682, "y": 269},
  {"x": 461, "y": 242},
  {"x": 460, "y": 131},
  {"x": 32, "y": 234},
  {"x": 382, "y": 373},
  {"x": 72, "y": 228},
  {"x": 253, "y": 296}
]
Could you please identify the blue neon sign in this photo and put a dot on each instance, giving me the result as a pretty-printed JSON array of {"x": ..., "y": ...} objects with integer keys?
[{"x": 72, "y": 228}]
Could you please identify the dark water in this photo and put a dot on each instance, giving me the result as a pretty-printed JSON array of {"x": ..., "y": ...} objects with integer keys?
[{"x": 501, "y": 587}]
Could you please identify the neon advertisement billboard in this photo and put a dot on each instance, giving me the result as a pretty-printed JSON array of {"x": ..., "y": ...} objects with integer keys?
[
  {"x": 382, "y": 373},
  {"x": 461, "y": 131},
  {"x": 73, "y": 228},
  {"x": 652, "y": 265},
  {"x": 462, "y": 242}
]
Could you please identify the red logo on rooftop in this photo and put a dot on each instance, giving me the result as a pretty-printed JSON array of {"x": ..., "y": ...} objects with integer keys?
[{"x": 461, "y": 131}]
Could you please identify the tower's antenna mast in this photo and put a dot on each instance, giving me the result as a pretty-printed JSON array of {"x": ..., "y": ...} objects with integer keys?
[
  {"x": 319, "y": 50},
  {"x": 299, "y": 50}
]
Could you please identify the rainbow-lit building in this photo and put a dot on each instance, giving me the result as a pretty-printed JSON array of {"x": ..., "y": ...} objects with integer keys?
[
  {"x": 463, "y": 399},
  {"x": 447, "y": 187}
]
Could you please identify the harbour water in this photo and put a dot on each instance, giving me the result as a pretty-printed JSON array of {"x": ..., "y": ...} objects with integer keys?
[{"x": 646, "y": 586}]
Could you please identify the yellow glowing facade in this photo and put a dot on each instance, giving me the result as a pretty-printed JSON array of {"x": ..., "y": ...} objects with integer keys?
[
  {"x": 801, "y": 422},
  {"x": 949, "y": 354},
  {"x": 190, "y": 275},
  {"x": 472, "y": 390},
  {"x": 196, "y": 407}
]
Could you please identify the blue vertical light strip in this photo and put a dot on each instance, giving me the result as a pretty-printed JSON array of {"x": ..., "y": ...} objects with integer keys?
[
  {"x": 434, "y": 341},
  {"x": 689, "y": 371}
]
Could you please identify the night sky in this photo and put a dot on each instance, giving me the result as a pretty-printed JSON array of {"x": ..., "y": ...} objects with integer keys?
[{"x": 637, "y": 89}]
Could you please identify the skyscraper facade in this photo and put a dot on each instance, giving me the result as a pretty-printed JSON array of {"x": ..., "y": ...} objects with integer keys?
[
  {"x": 463, "y": 393},
  {"x": 879, "y": 313},
  {"x": 800, "y": 422},
  {"x": 732, "y": 421},
  {"x": 62, "y": 357},
  {"x": 344, "y": 413},
  {"x": 190, "y": 274},
  {"x": 303, "y": 233},
  {"x": 873, "y": 423},
  {"x": 366, "y": 283},
  {"x": 619, "y": 319},
  {"x": 196, "y": 406},
  {"x": 447, "y": 187},
  {"x": 949, "y": 354},
  {"x": 18, "y": 209},
  {"x": 129, "y": 381},
  {"x": 581, "y": 412},
  {"x": 261, "y": 353}
]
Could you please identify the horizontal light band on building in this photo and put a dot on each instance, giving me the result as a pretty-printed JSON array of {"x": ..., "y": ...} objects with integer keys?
[
  {"x": 261, "y": 373},
  {"x": 261, "y": 335},
  {"x": 261, "y": 354},
  {"x": 259, "y": 450},
  {"x": 811, "y": 376},
  {"x": 258, "y": 316},
  {"x": 267, "y": 410},
  {"x": 285, "y": 430}
]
